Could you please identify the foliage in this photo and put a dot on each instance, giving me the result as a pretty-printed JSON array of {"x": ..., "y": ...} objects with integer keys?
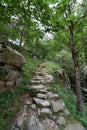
[
  {"x": 64, "y": 59},
  {"x": 9, "y": 99},
  {"x": 69, "y": 98},
  {"x": 22, "y": 19},
  {"x": 52, "y": 66},
  {"x": 62, "y": 20},
  {"x": 28, "y": 21},
  {"x": 70, "y": 101}
]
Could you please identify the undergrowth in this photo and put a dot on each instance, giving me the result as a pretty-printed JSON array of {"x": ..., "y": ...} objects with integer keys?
[
  {"x": 10, "y": 97},
  {"x": 70, "y": 100},
  {"x": 68, "y": 96},
  {"x": 52, "y": 67}
]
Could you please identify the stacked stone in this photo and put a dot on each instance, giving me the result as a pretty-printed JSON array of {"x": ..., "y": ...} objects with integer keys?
[{"x": 48, "y": 110}]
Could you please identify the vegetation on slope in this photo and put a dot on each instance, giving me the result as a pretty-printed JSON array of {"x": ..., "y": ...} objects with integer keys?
[
  {"x": 68, "y": 96},
  {"x": 8, "y": 99}
]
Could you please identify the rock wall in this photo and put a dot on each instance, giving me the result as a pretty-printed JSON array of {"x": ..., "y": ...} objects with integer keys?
[{"x": 11, "y": 62}]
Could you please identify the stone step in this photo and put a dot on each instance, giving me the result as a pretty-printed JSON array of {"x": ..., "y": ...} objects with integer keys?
[
  {"x": 42, "y": 96},
  {"x": 47, "y": 111},
  {"x": 57, "y": 106},
  {"x": 37, "y": 78},
  {"x": 35, "y": 82},
  {"x": 41, "y": 102},
  {"x": 37, "y": 87},
  {"x": 43, "y": 91},
  {"x": 44, "y": 112}
]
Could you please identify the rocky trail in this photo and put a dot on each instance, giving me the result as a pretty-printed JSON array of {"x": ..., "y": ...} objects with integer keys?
[{"x": 45, "y": 109}]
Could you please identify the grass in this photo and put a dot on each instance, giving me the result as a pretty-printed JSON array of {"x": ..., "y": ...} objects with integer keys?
[
  {"x": 10, "y": 97},
  {"x": 69, "y": 97},
  {"x": 70, "y": 101},
  {"x": 52, "y": 67}
]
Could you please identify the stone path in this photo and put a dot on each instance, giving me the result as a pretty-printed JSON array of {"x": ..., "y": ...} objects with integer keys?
[{"x": 46, "y": 110}]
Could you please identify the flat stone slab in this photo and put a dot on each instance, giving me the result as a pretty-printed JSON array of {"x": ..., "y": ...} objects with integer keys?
[
  {"x": 35, "y": 82},
  {"x": 37, "y": 78},
  {"x": 40, "y": 95},
  {"x": 74, "y": 127},
  {"x": 45, "y": 112},
  {"x": 44, "y": 91},
  {"x": 39, "y": 86},
  {"x": 41, "y": 102},
  {"x": 53, "y": 96},
  {"x": 49, "y": 93},
  {"x": 57, "y": 106}
]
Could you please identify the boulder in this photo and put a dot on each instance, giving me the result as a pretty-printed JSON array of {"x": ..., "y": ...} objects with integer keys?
[
  {"x": 57, "y": 106},
  {"x": 12, "y": 57},
  {"x": 33, "y": 123}
]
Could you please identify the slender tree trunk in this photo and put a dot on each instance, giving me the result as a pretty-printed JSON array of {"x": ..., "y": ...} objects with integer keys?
[
  {"x": 20, "y": 42},
  {"x": 77, "y": 68}
]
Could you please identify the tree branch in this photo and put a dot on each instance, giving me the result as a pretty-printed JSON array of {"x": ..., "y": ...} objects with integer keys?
[
  {"x": 72, "y": 2},
  {"x": 80, "y": 18}
]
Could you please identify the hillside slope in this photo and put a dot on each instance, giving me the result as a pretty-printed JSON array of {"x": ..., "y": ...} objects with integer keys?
[
  {"x": 9, "y": 100},
  {"x": 12, "y": 102}
]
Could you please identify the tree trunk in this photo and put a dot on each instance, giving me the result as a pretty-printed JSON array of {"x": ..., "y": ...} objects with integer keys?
[
  {"x": 77, "y": 68},
  {"x": 78, "y": 89}
]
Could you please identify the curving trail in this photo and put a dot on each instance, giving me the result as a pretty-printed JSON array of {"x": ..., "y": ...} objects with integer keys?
[{"x": 45, "y": 110}]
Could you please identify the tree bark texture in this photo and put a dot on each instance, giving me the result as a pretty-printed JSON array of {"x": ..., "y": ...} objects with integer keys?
[{"x": 77, "y": 68}]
